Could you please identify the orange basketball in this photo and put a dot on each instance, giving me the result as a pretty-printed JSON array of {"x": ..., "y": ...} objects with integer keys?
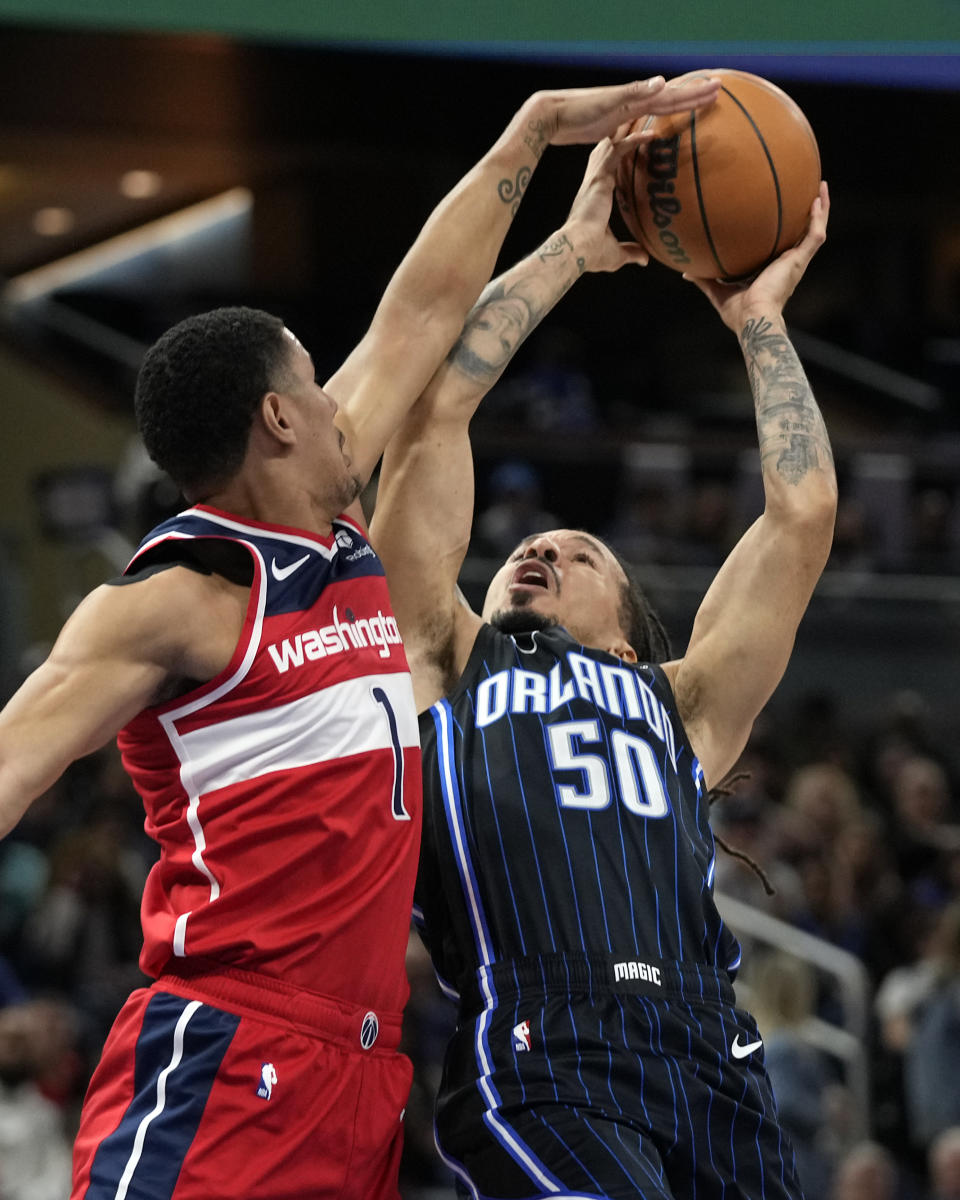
[{"x": 720, "y": 192}]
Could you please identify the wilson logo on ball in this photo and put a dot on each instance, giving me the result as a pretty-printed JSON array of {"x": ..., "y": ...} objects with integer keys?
[
  {"x": 721, "y": 191},
  {"x": 662, "y": 155}
]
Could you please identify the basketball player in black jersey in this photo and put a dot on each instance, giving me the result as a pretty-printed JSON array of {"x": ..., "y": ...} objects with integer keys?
[{"x": 567, "y": 866}]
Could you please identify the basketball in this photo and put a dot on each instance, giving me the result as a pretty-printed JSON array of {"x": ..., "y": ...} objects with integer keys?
[{"x": 720, "y": 192}]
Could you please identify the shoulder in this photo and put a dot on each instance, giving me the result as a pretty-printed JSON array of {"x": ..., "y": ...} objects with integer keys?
[{"x": 178, "y": 617}]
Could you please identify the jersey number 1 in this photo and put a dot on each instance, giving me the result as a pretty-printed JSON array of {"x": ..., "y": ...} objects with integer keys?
[{"x": 399, "y": 812}]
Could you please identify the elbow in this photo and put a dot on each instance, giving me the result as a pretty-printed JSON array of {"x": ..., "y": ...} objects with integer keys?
[
  {"x": 811, "y": 499},
  {"x": 808, "y": 519}
]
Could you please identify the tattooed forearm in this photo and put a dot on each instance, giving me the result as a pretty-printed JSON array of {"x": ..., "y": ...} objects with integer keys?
[
  {"x": 511, "y": 191},
  {"x": 556, "y": 246},
  {"x": 511, "y": 307},
  {"x": 793, "y": 437},
  {"x": 536, "y": 138},
  {"x": 493, "y": 331}
]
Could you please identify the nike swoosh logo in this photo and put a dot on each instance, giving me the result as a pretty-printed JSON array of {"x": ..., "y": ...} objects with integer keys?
[
  {"x": 281, "y": 573},
  {"x": 739, "y": 1050}
]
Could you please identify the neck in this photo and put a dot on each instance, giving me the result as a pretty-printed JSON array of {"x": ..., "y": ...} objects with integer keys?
[{"x": 267, "y": 501}]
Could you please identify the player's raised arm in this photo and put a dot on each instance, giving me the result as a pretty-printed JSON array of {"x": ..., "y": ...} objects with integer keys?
[
  {"x": 425, "y": 499},
  {"x": 745, "y": 629},
  {"x": 122, "y": 650},
  {"x": 424, "y": 307}
]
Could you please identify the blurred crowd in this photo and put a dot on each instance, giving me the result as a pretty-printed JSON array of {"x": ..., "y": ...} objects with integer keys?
[{"x": 679, "y": 490}]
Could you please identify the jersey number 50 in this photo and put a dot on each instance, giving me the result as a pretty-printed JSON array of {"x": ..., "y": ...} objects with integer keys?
[{"x": 639, "y": 781}]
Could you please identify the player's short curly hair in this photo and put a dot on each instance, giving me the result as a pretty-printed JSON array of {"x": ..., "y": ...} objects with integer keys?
[{"x": 198, "y": 388}]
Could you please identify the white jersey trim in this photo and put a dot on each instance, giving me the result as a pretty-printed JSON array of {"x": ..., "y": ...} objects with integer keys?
[
  {"x": 189, "y": 784},
  {"x": 255, "y": 530},
  {"x": 341, "y": 720}
]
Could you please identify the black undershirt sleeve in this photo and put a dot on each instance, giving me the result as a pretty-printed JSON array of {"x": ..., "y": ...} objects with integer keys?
[{"x": 207, "y": 556}]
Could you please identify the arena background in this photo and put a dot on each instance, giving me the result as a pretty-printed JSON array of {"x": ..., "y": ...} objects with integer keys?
[{"x": 161, "y": 161}]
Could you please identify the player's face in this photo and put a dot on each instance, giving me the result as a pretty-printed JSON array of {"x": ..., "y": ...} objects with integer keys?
[
  {"x": 322, "y": 442},
  {"x": 566, "y": 577}
]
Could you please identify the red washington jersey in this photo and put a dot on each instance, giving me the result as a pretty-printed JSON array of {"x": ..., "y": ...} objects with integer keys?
[{"x": 285, "y": 793}]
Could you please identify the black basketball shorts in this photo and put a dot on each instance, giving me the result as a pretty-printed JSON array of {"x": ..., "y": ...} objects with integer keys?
[{"x": 580, "y": 1077}]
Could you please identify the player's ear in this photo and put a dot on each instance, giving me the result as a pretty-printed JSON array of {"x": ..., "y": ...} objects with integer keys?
[
  {"x": 274, "y": 418},
  {"x": 623, "y": 650}
]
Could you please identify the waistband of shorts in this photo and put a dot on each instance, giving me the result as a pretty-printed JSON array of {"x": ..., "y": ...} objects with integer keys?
[
  {"x": 601, "y": 974},
  {"x": 267, "y": 998}
]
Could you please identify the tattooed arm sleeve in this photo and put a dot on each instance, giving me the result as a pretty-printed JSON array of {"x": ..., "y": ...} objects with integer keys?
[
  {"x": 745, "y": 629},
  {"x": 793, "y": 437}
]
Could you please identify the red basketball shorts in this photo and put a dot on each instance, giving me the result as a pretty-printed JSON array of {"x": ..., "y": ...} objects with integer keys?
[{"x": 230, "y": 1085}]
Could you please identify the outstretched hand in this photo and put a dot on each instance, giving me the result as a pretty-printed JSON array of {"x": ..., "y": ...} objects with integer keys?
[
  {"x": 578, "y": 115},
  {"x": 589, "y": 219},
  {"x": 775, "y": 284}
]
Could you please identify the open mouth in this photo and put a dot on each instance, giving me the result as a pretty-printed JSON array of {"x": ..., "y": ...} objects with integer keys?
[{"x": 533, "y": 575}]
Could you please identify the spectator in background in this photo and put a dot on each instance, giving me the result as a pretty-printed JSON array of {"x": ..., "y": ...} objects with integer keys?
[
  {"x": 863, "y": 864},
  {"x": 944, "y": 1165},
  {"x": 867, "y": 1172},
  {"x": 38, "y": 1074},
  {"x": 822, "y": 802},
  {"x": 924, "y": 828},
  {"x": 932, "y": 1050},
  {"x": 515, "y": 507},
  {"x": 24, "y": 862},
  {"x": 853, "y": 541},
  {"x": 553, "y": 394},
  {"x": 904, "y": 730},
  {"x": 428, "y": 1022},
  {"x": 750, "y": 824},
  {"x": 641, "y": 529},
  {"x": 905, "y": 989},
  {"x": 811, "y": 1103},
  {"x": 933, "y": 548},
  {"x": 708, "y": 534},
  {"x": 555, "y": 391},
  {"x": 84, "y": 936}
]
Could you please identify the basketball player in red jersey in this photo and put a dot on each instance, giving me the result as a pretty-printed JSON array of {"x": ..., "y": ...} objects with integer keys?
[
  {"x": 566, "y": 879},
  {"x": 252, "y": 667}
]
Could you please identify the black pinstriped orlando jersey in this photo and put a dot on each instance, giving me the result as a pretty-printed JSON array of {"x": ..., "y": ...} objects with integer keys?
[{"x": 564, "y": 812}]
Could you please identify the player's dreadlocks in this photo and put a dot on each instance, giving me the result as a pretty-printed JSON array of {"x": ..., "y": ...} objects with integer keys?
[
  {"x": 639, "y": 621},
  {"x": 725, "y": 788}
]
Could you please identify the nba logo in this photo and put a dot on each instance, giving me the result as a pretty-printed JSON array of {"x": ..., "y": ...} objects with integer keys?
[
  {"x": 268, "y": 1077},
  {"x": 521, "y": 1036}
]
